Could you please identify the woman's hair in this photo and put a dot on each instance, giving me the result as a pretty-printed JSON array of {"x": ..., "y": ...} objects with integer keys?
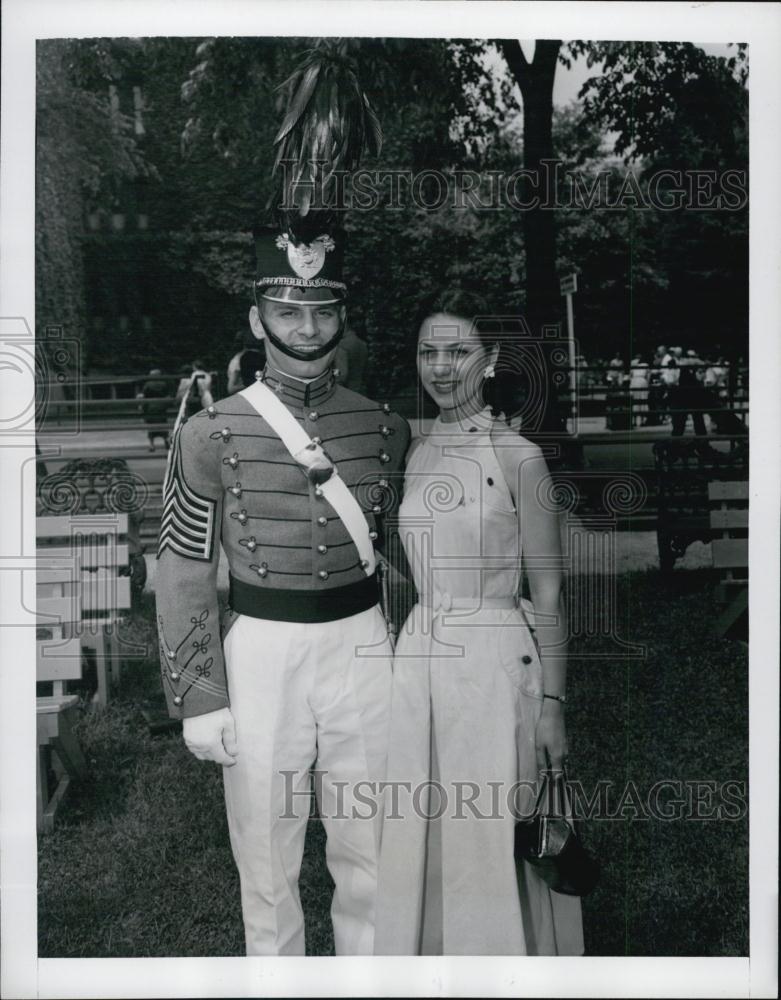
[{"x": 503, "y": 392}]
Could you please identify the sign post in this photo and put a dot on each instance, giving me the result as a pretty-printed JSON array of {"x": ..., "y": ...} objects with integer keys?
[{"x": 569, "y": 285}]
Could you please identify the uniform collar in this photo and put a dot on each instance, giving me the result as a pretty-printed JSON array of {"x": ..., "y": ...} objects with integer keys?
[{"x": 298, "y": 391}]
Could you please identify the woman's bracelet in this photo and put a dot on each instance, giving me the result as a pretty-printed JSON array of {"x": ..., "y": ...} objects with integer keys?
[{"x": 556, "y": 697}]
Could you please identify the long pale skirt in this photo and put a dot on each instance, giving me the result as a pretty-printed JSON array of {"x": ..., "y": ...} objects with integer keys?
[{"x": 467, "y": 694}]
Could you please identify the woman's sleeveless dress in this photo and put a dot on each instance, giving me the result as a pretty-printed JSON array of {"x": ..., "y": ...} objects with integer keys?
[{"x": 467, "y": 694}]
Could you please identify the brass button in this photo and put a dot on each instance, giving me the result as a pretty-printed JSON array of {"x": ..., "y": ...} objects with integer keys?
[
  {"x": 252, "y": 544},
  {"x": 323, "y": 574},
  {"x": 364, "y": 563},
  {"x": 235, "y": 490},
  {"x": 385, "y": 430},
  {"x": 174, "y": 677},
  {"x": 384, "y": 457},
  {"x": 233, "y": 461},
  {"x": 313, "y": 414},
  {"x": 263, "y": 569},
  {"x": 318, "y": 493},
  {"x": 322, "y": 521},
  {"x": 386, "y": 408},
  {"x": 170, "y": 654},
  {"x": 178, "y": 700},
  {"x": 317, "y": 440},
  {"x": 225, "y": 434},
  {"x": 373, "y": 535},
  {"x": 258, "y": 375},
  {"x": 376, "y": 509},
  {"x": 322, "y": 549},
  {"x": 243, "y": 517},
  {"x": 211, "y": 411}
]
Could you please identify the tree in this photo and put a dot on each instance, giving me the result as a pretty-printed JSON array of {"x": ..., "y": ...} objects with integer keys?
[{"x": 83, "y": 148}]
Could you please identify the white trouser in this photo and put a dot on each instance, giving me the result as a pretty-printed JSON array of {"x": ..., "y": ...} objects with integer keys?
[{"x": 303, "y": 694}]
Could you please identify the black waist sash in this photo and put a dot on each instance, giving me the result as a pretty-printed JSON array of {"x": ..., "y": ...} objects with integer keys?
[{"x": 303, "y": 605}]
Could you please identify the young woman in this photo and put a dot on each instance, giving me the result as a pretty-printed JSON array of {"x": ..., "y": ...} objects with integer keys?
[{"x": 478, "y": 699}]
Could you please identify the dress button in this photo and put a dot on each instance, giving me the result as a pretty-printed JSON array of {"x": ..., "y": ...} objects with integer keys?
[
  {"x": 322, "y": 549},
  {"x": 225, "y": 434},
  {"x": 323, "y": 574},
  {"x": 252, "y": 544},
  {"x": 364, "y": 563},
  {"x": 174, "y": 677},
  {"x": 258, "y": 375},
  {"x": 373, "y": 535},
  {"x": 178, "y": 700},
  {"x": 318, "y": 493},
  {"x": 322, "y": 521},
  {"x": 386, "y": 408},
  {"x": 263, "y": 569},
  {"x": 170, "y": 654},
  {"x": 313, "y": 414},
  {"x": 235, "y": 490},
  {"x": 384, "y": 457},
  {"x": 376, "y": 509},
  {"x": 243, "y": 517},
  {"x": 526, "y": 659},
  {"x": 233, "y": 461},
  {"x": 211, "y": 411},
  {"x": 317, "y": 440},
  {"x": 385, "y": 430}
]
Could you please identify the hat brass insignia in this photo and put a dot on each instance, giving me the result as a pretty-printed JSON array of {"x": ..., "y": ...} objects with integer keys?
[{"x": 306, "y": 259}]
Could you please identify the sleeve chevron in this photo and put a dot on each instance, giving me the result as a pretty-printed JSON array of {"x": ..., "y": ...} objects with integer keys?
[{"x": 188, "y": 522}]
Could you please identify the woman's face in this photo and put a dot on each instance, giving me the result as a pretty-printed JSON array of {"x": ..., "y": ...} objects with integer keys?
[{"x": 451, "y": 360}]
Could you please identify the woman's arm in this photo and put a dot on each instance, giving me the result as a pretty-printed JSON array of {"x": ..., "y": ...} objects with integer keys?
[{"x": 528, "y": 479}]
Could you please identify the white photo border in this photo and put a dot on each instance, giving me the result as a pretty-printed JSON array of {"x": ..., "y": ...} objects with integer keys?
[{"x": 23, "y": 974}]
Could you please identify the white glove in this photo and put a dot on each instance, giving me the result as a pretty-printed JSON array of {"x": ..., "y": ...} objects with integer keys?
[{"x": 212, "y": 736}]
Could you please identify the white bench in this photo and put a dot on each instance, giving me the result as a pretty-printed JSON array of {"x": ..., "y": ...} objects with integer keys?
[
  {"x": 58, "y": 660},
  {"x": 98, "y": 543},
  {"x": 729, "y": 548}
]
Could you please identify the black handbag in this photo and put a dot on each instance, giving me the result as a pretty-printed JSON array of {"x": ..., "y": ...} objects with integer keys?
[{"x": 549, "y": 842}]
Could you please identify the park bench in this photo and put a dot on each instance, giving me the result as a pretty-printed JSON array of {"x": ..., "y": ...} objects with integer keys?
[
  {"x": 98, "y": 546},
  {"x": 729, "y": 546},
  {"x": 685, "y": 469},
  {"x": 58, "y": 660},
  {"x": 96, "y": 486}
]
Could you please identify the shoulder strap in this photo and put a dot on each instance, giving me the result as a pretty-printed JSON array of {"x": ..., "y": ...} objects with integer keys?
[{"x": 295, "y": 438}]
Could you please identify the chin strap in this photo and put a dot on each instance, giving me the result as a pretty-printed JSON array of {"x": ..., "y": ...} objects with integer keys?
[{"x": 290, "y": 352}]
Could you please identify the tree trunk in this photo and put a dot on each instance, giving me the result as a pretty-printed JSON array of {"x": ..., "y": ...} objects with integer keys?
[{"x": 543, "y": 302}]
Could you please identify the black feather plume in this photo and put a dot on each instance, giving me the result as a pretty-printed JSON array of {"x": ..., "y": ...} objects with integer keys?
[{"x": 328, "y": 125}]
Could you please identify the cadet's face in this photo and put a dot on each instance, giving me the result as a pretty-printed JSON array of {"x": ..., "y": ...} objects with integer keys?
[
  {"x": 305, "y": 327},
  {"x": 451, "y": 360}
]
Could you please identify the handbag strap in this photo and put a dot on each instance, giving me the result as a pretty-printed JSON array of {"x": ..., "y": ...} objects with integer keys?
[
  {"x": 554, "y": 795},
  {"x": 335, "y": 490}
]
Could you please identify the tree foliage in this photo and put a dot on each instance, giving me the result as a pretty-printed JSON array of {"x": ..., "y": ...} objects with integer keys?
[
  {"x": 201, "y": 172},
  {"x": 84, "y": 148}
]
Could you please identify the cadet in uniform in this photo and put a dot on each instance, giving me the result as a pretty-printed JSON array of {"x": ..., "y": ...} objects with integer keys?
[{"x": 299, "y": 673}]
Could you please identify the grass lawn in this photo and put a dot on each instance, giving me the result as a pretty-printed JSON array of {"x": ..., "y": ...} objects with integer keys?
[{"x": 139, "y": 863}]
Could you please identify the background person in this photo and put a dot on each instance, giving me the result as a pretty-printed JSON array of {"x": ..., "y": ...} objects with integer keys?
[{"x": 155, "y": 388}]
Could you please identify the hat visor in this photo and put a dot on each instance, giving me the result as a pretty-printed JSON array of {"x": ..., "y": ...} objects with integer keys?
[{"x": 295, "y": 293}]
